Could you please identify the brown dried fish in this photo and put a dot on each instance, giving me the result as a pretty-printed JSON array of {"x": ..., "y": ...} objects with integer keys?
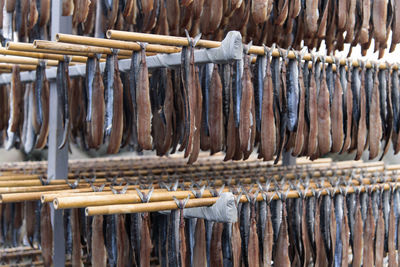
[
  {"x": 358, "y": 235},
  {"x": 44, "y": 12},
  {"x": 375, "y": 128},
  {"x": 81, "y": 10},
  {"x": 46, "y": 235},
  {"x": 67, "y": 7},
  {"x": 282, "y": 10},
  {"x": 369, "y": 236},
  {"x": 199, "y": 251},
  {"x": 379, "y": 16},
  {"x": 299, "y": 139},
  {"x": 253, "y": 249},
  {"x": 268, "y": 239},
  {"x": 392, "y": 230},
  {"x": 145, "y": 241},
  {"x": 324, "y": 118},
  {"x": 305, "y": 238},
  {"x": 351, "y": 20},
  {"x": 216, "y": 257},
  {"x": 117, "y": 119},
  {"x": 345, "y": 235},
  {"x": 246, "y": 105},
  {"x": 236, "y": 245},
  {"x": 215, "y": 120},
  {"x": 76, "y": 239},
  {"x": 268, "y": 129},
  {"x": 198, "y": 102},
  {"x": 143, "y": 104},
  {"x": 337, "y": 115},
  {"x": 313, "y": 113},
  {"x": 380, "y": 239},
  {"x": 321, "y": 257},
  {"x": 98, "y": 248},
  {"x": 395, "y": 25},
  {"x": 44, "y": 129},
  {"x": 211, "y": 16},
  {"x": 349, "y": 114},
  {"x": 98, "y": 108},
  {"x": 311, "y": 17},
  {"x": 259, "y": 9},
  {"x": 281, "y": 257},
  {"x": 362, "y": 123}
]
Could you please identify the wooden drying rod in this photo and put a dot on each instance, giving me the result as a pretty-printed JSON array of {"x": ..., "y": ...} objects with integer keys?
[
  {"x": 81, "y": 200},
  {"x": 300, "y": 173},
  {"x": 257, "y": 50},
  {"x": 9, "y": 52},
  {"x": 101, "y": 42},
  {"x": 24, "y": 60},
  {"x": 50, "y": 192},
  {"x": 204, "y": 202}
]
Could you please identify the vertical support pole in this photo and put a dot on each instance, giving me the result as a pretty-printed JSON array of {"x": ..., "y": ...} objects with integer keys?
[
  {"x": 288, "y": 159},
  {"x": 57, "y": 158}
]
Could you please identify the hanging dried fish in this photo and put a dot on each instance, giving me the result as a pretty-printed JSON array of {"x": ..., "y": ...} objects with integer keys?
[
  {"x": 283, "y": 117},
  {"x": 110, "y": 239},
  {"x": 199, "y": 252},
  {"x": 321, "y": 257},
  {"x": 313, "y": 112},
  {"x": 76, "y": 239},
  {"x": 348, "y": 113},
  {"x": 15, "y": 99},
  {"x": 247, "y": 110},
  {"x": 292, "y": 77},
  {"x": 337, "y": 114},
  {"x": 362, "y": 127},
  {"x": 63, "y": 88},
  {"x": 299, "y": 139},
  {"x": 95, "y": 105},
  {"x": 42, "y": 95},
  {"x": 267, "y": 127},
  {"x": 281, "y": 257},
  {"x": 311, "y": 17},
  {"x": 324, "y": 119},
  {"x": 46, "y": 235},
  {"x": 215, "y": 120},
  {"x": 98, "y": 249},
  {"x": 143, "y": 103},
  {"x": 375, "y": 130},
  {"x": 380, "y": 237}
]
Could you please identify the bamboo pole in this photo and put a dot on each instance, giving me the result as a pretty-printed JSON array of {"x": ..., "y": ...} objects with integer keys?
[
  {"x": 257, "y": 50},
  {"x": 4, "y": 51},
  {"x": 8, "y": 67},
  {"x": 77, "y": 201},
  {"x": 147, "y": 207},
  {"x": 84, "y": 40},
  {"x": 24, "y": 60},
  {"x": 28, "y": 47},
  {"x": 77, "y": 48},
  {"x": 204, "y": 202},
  {"x": 158, "y": 39}
]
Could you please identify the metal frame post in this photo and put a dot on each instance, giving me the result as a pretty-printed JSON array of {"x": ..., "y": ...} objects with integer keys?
[
  {"x": 57, "y": 158},
  {"x": 288, "y": 159}
]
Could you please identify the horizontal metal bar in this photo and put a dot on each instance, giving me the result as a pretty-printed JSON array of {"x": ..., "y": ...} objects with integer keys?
[{"x": 231, "y": 49}]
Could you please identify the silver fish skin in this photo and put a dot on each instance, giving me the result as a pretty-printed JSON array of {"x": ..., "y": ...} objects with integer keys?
[
  {"x": 109, "y": 94},
  {"x": 339, "y": 219},
  {"x": 245, "y": 230},
  {"x": 30, "y": 140},
  {"x": 395, "y": 99},
  {"x": 292, "y": 95},
  {"x": 259, "y": 74}
]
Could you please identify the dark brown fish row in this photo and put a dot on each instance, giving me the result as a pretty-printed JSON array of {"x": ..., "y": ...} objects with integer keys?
[
  {"x": 284, "y": 22},
  {"x": 272, "y": 106},
  {"x": 360, "y": 229}
]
